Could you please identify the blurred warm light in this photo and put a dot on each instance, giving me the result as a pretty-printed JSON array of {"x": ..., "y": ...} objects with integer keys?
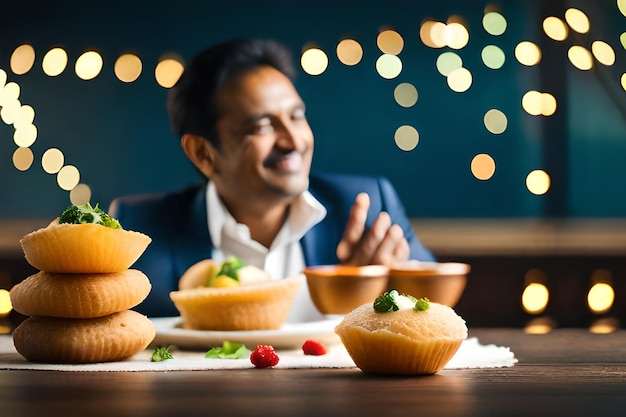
[
  {"x": 532, "y": 102},
  {"x": 537, "y": 328},
  {"x": 603, "y": 52},
  {"x": 23, "y": 158},
  {"x": 10, "y": 109},
  {"x": 622, "y": 39},
  {"x": 54, "y": 62},
  {"x": 548, "y": 104},
  {"x": 493, "y": 57},
  {"x": 68, "y": 177},
  {"x": 535, "y": 298},
  {"x": 580, "y": 57},
  {"x": 555, "y": 28},
  {"x": 3, "y": 78},
  {"x": 390, "y": 42},
  {"x": 314, "y": 61},
  {"x": 456, "y": 35},
  {"x": 52, "y": 160},
  {"x": 483, "y": 166},
  {"x": 24, "y": 117},
  {"x": 405, "y": 94},
  {"x": 600, "y": 297},
  {"x": 539, "y": 325},
  {"x": 577, "y": 20},
  {"x": 25, "y": 135},
  {"x": 621, "y": 5},
  {"x": 9, "y": 95},
  {"x": 448, "y": 62},
  {"x": 88, "y": 65},
  {"x": 5, "y": 303},
  {"x": 349, "y": 52},
  {"x": 495, "y": 121},
  {"x": 432, "y": 34},
  {"x": 81, "y": 194},
  {"x": 606, "y": 325},
  {"x": 494, "y": 23},
  {"x": 22, "y": 59},
  {"x": 538, "y": 182},
  {"x": 460, "y": 80},
  {"x": 406, "y": 138},
  {"x": 388, "y": 66},
  {"x": 537, "y": 103},
  {"x": 528, "y": 53},
  {"x": 623, "y": 81},
  {"x": 127, "y": 68},
  {"x": 168, "y": 71}
]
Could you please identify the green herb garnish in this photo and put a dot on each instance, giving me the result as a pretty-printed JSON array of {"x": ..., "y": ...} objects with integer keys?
[
  {"x": 386, "y": 302},
  {"x": 230, "y": 268},
  {"x": 422, "y": 304},
  {"x": 161, "y": 353},
  {"x": 87, "y": 214},
  {"x": 229, "y": 350}
]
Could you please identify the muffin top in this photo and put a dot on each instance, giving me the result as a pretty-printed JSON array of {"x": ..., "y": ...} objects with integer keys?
[{"x": 414, "y": 319}]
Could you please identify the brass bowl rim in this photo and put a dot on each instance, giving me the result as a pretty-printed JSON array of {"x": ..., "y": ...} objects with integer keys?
[
  {"x": 346, "y": 271},
  {"x": 430, "y": 269}
]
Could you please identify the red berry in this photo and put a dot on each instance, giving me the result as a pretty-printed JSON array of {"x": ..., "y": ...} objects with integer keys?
[
  {"x": 313, "y": 347},
  {"x": 264, "y": 356}
]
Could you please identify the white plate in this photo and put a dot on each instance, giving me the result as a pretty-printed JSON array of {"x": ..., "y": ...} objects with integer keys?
[{"x": 289, "y": 336}]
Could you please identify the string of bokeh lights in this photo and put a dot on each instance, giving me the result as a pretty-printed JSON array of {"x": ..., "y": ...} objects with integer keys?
[{"x": 451, "y": 37}]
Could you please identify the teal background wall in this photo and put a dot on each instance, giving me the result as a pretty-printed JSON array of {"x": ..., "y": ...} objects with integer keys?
[{"x": 118, "y": 136}]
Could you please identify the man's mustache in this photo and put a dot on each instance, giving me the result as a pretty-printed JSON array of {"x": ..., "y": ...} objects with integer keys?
[{"x": 276, "y": 156}]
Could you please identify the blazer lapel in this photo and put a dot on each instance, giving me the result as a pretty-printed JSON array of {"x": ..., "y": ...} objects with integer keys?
[
  {"x": 320, "y": 243},
  {"x": 192, "y": 241}
]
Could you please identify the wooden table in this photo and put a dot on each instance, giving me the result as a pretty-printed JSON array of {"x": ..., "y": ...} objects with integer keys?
[{"x": 568, "y": 372}]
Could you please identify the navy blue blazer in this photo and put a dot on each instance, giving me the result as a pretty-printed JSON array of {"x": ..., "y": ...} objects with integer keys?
[{"x": 177, "y": 224}]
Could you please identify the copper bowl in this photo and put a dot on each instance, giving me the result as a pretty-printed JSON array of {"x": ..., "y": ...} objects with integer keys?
[
  {"x": 339, "y": 289},
  {"x": 440, "y": 282}
]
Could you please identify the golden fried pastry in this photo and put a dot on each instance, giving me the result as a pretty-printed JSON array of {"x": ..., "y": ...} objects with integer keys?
[
  {"x": 102, "y": 339},
  {"x": 408, "y": 341},
  {"x": 79, "y": 295},
  {"x": 259, "y": 306},
  {"x": 83, "y": 248},
  {"x": 199, "y": 274},
  {"x": 206, "y": 273}
]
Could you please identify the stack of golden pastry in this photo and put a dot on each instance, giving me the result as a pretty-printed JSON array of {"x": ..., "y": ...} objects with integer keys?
[{"x": 79, "y": 303}]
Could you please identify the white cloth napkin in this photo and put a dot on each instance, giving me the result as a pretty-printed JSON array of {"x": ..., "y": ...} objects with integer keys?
[{"x": 471, "y": 354}]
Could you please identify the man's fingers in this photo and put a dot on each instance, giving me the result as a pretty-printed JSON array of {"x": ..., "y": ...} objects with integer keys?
[
  {"x": 393, "y": 248},
  {"x": 363, "y": 251},
  {"x": 355, "y": 227}
]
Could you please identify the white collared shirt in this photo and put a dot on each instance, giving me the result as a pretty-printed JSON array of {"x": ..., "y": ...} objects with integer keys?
[{"x": 284, "y": 258}]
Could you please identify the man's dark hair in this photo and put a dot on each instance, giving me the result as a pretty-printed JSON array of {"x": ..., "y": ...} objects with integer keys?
[{"x": 191, "y": 102}]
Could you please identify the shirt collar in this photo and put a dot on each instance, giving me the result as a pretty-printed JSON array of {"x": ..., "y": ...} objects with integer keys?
[{"x": 306, "y": 211}]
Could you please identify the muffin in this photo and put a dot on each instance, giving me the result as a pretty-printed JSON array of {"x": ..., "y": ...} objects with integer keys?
[
  {"x": 401, "y": 335},
  {"x": 232, "y": 296}
]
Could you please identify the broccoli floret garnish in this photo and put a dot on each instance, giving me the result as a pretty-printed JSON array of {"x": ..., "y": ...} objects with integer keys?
[
  {"x": 87, "y": 214},
  {"x": 386, "y": 302},
  {"x": 422, "y": 304}
]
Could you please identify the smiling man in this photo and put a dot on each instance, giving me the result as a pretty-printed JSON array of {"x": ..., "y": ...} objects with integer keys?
[{"x": 243, "y": 125}]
